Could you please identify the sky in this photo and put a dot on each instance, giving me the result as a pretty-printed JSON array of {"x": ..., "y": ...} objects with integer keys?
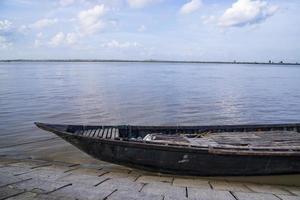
[{"x": 206, "y": 30}]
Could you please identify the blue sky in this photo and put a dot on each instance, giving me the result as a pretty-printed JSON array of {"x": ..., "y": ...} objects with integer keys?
[{"x": 243, "y": 30}]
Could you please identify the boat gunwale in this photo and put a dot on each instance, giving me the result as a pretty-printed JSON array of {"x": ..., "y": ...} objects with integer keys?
[{"x": 215, "y": 150}]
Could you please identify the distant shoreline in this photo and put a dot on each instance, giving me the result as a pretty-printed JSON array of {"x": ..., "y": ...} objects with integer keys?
[{"x": 149, "y": 61}]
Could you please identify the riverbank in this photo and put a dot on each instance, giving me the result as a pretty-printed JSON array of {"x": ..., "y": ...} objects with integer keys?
[
  {"x": 44, "y": 166},
  {"x": 37, "y": 179}
]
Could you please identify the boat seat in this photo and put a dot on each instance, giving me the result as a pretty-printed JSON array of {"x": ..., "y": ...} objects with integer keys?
[{"x": 107, "y": 133}]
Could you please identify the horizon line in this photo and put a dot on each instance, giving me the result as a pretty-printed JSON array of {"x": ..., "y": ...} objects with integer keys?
[{"x": 150, "y": 60}]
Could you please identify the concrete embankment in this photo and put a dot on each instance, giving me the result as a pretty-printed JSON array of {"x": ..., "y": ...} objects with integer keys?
[{"x": 46, "y": 167}]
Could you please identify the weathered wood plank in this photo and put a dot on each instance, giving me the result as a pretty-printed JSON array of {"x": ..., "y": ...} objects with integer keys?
[
  {"x": 117, "y": 133},
  {"x": 85, "y": 132},
  {"x": 105, "y": 133},
  {"x": 101, "y": 133},
  {"x": 90, "y": 133},
  {"x": 93, "y": 132},
  {"x": 97, "y": 133},
  {"x": 113, "y": 135},
  {"x": 109, "y": 133}
]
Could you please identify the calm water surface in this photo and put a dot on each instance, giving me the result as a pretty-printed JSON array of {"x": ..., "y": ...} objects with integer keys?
[{"x": 146, "y": 94}]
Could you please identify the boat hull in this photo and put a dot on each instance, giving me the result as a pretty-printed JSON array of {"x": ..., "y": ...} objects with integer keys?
[{"x": 183, "y": 161}]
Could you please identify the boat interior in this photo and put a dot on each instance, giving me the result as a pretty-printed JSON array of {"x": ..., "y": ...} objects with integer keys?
[{"x": 282, "y": 137}]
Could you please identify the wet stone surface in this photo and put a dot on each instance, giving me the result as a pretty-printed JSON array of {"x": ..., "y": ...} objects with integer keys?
[
  {"x": 36, "y": 179},
  {"x": 51, "y": 169}
]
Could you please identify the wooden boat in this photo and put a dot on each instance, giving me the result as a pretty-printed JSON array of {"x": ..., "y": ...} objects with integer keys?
[{"x": 191, "y": 150}]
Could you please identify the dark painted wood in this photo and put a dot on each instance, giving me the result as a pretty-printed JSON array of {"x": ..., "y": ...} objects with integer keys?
[{"x": 182, "y": 158}]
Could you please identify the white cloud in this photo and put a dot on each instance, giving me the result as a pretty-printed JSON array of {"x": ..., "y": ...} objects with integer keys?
[
  {"x": 23, "y": 29},
  {"x": 38, "y": 41},
  {"x": 57, "y": 40},
  {"x": 142, "y": 28},
  {"x": 5, "y": 28},
  {"x": 120, "y": 45},
  {"x": 91, "y": 20},
  {"x": 141, "y": 3},
  {"x": 66, "y": 2},
  {"x": 5, "y": 25},
  {"x": 4, "y": 44},
  {"x": 246, "y": 12},
  {"x": 190, "y": 7},
  {"x": 71, "y": 38},
  {"x": 208, "y": 19},
  {"x": 42, "y": 23},
  {"x": 39, "y": 35}
]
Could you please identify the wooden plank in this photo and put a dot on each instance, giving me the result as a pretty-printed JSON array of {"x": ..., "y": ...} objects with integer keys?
[
  {"x": 101, "y": 132},
  {"x": 81, "y": 132},
  {"x": 94, "y": 132},
  {"x": 113, "y": 133},
  {"x": 77, "y": 132},
  {"x": 105, "y": 133},
  {"x": 90, "y": 133},
  {"x": 97, "y": 132},
  {"x": 85, "y": 132},
  {"x": 117, "y": 133},
  {"x": 109, "y": 133}
]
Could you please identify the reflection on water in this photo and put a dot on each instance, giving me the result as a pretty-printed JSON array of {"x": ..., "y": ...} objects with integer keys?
[{"x": 146, "y": 94}]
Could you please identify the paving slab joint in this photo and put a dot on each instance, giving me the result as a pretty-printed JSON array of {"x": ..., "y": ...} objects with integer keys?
[
  {"x": 101, "y": 182},
  {"x": 59, "y": 188},
  {"x": 233, "y": 195},
  {"x": 143, "y": 185},
  {"x": 105, "y": 198}
]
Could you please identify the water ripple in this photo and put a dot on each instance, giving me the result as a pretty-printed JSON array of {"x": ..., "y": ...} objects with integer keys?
[{"x": 147, "y": 94}]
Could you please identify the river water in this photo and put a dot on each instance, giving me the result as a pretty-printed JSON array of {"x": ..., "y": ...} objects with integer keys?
[
  {"x": 140, "y": 94},
  {"x": 147, "y": 94}
]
